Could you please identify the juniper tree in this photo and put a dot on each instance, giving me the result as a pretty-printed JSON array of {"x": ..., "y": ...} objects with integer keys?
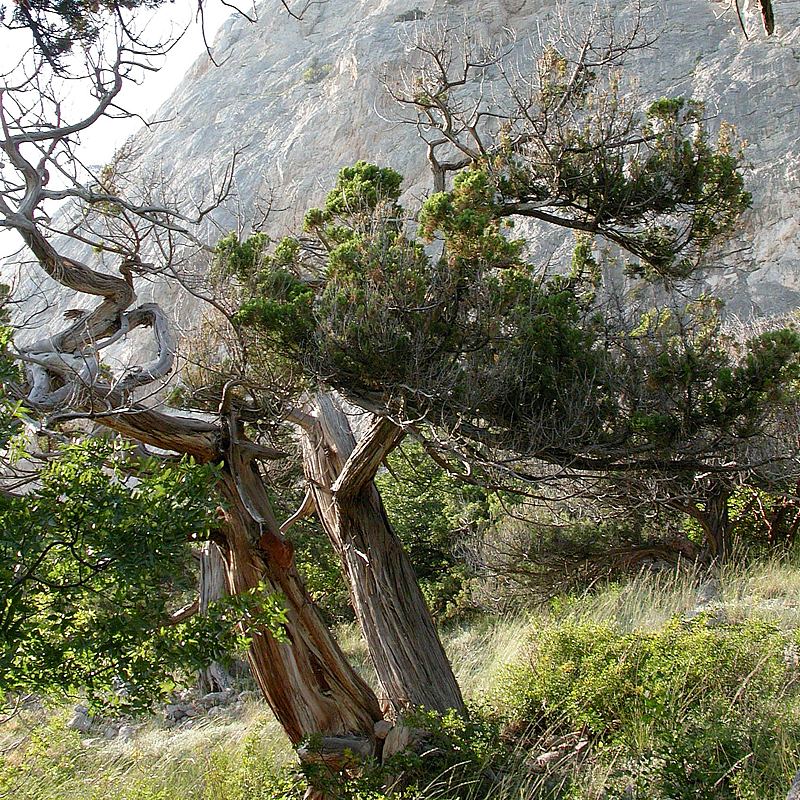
[{"x": 453, "y": 333}]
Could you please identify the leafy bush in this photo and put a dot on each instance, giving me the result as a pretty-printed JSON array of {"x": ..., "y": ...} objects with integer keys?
[
  {"x": 321, "y": 571},
  {"x": 90, "y": 563},
  {"x": 693, "y": 710},
  {"x": 458, "y": 757}
]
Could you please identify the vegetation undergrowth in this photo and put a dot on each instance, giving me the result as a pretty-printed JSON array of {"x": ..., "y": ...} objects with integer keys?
[{"x": 650, "y": 688}]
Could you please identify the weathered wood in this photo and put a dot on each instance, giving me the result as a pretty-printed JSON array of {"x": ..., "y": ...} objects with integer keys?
[
  {"x": 366, "y": 457},
  {"x": 212, "y": 587},
  {"x": 307, "y": 508},
  {"x": 713, "y": 516},
  {"x": 184, "y": 613},
  {"x": 308, "y": 682},
  {"x": 189, "y": 435},
  {"x": 400, "y": 738},
  {"x": 403, "y": 643}
]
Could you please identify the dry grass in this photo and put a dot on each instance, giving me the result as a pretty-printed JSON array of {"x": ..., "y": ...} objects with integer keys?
[
  {"x": 51, "y": 763},
  {"x": 46, "y": 762}
]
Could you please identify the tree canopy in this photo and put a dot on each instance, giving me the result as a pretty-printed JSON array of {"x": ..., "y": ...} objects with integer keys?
[{"x": 541, "y": 373}]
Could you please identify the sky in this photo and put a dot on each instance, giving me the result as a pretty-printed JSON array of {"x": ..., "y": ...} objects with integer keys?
[{"x": 99, "y": 143}]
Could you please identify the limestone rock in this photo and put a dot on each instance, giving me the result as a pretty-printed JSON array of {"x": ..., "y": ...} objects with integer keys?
[
  {"x": 382, "y": 728},
  {"x": 402, "y": 737},
  {"x": 293, "y": 134},
  {"x": 794, "y": 789},
  {"x": 708, "y": 592},
  {"x": 175, "y": 712},
  {"x": 80, "y": 720},
  {"x": 216, "y": 698},
  {"x": 545, "y": 759},
  {"x": 558, "y": 750},
  {"x": 127, "y": 732}
]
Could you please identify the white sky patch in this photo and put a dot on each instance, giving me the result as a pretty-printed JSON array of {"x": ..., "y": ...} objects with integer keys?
[{"x": 147, "y": 94}]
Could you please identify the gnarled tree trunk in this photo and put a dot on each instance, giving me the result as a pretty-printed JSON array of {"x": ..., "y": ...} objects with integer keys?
[
  {"x": 713, "y": 516},
  {"x": 212, "y": 587},
  {"x": 717, "y": 525},
  {"x": 308, "y": 682},
  {"x": 412, "y": 667}
]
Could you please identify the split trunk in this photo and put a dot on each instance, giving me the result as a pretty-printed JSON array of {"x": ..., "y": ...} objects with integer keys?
[
  {"x": 308, "y": 682},
  {"x": 411, "y": 665}
]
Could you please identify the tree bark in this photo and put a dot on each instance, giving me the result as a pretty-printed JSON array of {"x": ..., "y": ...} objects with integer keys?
[
  {"x": 713, "y": 516},
  {"x": 717, "y": 524},
  {"x": 308, "y": 683},
  {"x": 412, "y": 667},
  {"x": 214, "y": 677}
]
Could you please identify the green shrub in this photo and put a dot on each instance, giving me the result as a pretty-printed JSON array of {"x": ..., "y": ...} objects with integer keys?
[
  {"x": 250, "y": 773},
  {"x": 693, "y": 710},
  {"x": 321, "y": 571},
  {"x": 430, "y": 512},
  {"x": 316, "y": 71},
  {"x": 458, "y": 759}
]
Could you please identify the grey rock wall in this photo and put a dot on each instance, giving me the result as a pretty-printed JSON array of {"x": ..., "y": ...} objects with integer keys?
[
  {"x": 299, "y": 99},
  {"x": 304, "y": 98}
]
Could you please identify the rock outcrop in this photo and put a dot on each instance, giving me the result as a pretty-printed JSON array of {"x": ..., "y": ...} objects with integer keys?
[
  {"x": 299, "y": 99},
  {"x": 302, "y": 98}
]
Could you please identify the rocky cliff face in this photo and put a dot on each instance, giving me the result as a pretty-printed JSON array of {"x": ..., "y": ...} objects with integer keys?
[
  {"x": 298, "y": 99},
  {"x": 302, "y": 98}
]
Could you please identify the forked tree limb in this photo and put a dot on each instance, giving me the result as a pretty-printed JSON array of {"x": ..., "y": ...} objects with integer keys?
[
  {"x": 363, "y": 462},
  {"x": 184, "y": 613},
  {"x": 306, "y": 509}
]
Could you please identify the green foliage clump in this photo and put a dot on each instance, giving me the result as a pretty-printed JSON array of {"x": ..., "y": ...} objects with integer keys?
[
  {"x": 359, "y": 189},
  {"x": 694, "y": 381},
  {"x": 321, "y": 571},
  {"x": 453, "y": 758},
  {"x": 467, "y": 218},
  {"x": 457, "y": 759},
  {"x": 90, "y": 563},
  {"x": 316, "y": 71},
  {"x": 273, "y": 300},
  {"x": 392, "y": 318},
  {"x": 691, "y": 710},
  {"x": 53, "y": 757},
  {"x": 654, "y": 184}
]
